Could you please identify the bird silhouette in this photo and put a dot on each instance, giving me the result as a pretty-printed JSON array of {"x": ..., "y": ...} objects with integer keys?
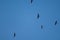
[
  {"x": 31, "y": 1},
  {"x": 55, "y": 22},
  {"x": 38, "y": 16}
]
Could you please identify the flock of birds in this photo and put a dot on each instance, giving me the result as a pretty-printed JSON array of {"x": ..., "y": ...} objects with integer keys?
[{"x": 38, "y": 16}]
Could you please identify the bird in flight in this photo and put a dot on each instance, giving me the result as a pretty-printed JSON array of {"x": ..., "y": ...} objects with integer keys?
[
  {"x": 31, "y": 1},
  {"x": 55, "y": 22},
  {"x": 38, "y": 16}
]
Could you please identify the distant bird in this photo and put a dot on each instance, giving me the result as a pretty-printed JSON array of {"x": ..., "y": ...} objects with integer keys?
[
  {"x": 14, "y": 34},
  {"x": 38, "y": 16},
  {"x": 41, "y": 26},
  {"x": 31, "y": 1},
  {"x": 55, "y": 22}
]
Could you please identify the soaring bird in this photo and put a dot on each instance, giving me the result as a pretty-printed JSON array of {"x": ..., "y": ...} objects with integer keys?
[
  {"x": 55, "y": 22},
  {"x": 14, "y": 34},
  {"x": 31, "y": 1},
  {"x": 38, "y": 16}
]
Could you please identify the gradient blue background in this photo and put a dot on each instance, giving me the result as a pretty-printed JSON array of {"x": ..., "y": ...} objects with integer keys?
[{"x": 20, "y": 16}]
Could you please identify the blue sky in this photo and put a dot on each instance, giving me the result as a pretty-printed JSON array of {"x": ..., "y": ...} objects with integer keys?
[{"x": 20, "y": 16}]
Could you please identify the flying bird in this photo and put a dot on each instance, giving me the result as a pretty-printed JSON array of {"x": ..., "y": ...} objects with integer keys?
[
  {"x": 31, "y": 1},
  {"x": 55, "y": 22},
  {"x": 38, "y": 16},
  {"x": 41, "y": 26}
]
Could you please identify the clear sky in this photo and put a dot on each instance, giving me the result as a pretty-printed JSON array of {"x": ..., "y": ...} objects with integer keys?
[{"x": 20, "y": 16}]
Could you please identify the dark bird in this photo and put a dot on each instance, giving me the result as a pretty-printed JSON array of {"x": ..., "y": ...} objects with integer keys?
[
  {"x": 14, "y": 34},
  {"x": 41, "y": 26},
  {"x": 38, "y": 16},
  {"x": 55, "y": 22},
  {"x": 31, "y": 1}
]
